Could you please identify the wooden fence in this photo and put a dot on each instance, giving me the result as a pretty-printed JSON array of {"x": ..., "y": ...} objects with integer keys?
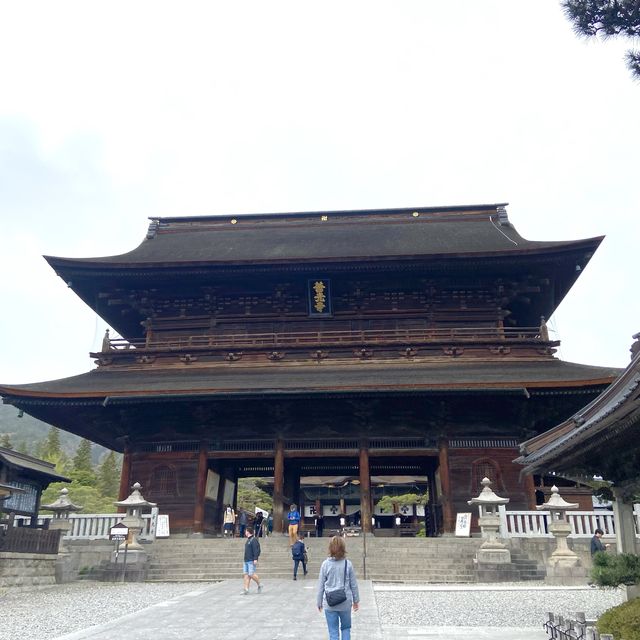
[{"x": 27, "y": 540}]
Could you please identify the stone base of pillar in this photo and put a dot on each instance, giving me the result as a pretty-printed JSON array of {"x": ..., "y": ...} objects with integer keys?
[
  {"x": 135, "y": 570},
  {"x": 493, "y": 555},
  {"x": 630, "y": 592},
  {"x": 566, "y": 571},
  {"x": 64, "y": 571},
  {"x": 496, "y": 572}
]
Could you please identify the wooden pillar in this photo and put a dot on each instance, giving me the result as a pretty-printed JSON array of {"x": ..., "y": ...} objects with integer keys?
[
  {"x": 278, "y": 487},
  {"x": 530, "y": 490},
  {"x": 445, "y": 484},
  {"x": 125, "y": 475},
  {"x": 201, "y": 484},
  {"x": 365, "y": 488}
]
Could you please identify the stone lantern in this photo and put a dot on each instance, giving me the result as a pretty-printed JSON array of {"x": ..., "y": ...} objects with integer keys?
[
  {"x": 492, "y": 549},
  {"x": 560, "y": 527},
  {"x": 62, "y": 508},
  {"x": 134, "y": 505}
]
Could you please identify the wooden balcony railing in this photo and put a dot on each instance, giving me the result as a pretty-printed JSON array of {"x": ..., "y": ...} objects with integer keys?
[{"x": 325, "y": 338}]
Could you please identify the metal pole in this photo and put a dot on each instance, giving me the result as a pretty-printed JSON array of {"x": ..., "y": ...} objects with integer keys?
[{"x": 124, "y": 562}]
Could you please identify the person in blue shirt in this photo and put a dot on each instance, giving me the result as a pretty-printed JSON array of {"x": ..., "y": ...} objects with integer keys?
[
  {"x": 294, "y": 521},
  {"x": 299, "y": 554}
]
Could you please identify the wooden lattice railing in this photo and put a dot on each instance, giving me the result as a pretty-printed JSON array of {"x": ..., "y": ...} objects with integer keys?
[{"x": 316, "y": 338}]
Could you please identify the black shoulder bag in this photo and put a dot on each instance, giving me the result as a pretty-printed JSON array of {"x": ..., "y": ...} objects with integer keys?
[{"x": 338, "y": 596}]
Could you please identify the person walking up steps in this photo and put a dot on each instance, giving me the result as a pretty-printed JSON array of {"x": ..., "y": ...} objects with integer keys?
[
  {"x": 337, "y": 591},
  {"x": 299, "y": 554},
  {"x": 251, "y": 555},
  {"x": 229, "y": 521},
  {"x": 294, "y": 521}
]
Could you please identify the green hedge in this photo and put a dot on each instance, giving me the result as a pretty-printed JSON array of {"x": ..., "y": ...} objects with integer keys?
[{"x": 622, "y": 622}]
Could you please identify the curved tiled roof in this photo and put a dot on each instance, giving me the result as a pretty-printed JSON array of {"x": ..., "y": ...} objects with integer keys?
[
  {"x": 481, "y": 230},
  {"x": 281, "y": 378},
  {"x": 596, "y": 429}
]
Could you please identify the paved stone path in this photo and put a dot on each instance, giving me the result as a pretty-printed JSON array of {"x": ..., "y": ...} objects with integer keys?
[{"x": 284, "y": 610}]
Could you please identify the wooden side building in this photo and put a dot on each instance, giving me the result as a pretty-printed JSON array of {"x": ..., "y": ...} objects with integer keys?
[{"x": 359, "y": 345}]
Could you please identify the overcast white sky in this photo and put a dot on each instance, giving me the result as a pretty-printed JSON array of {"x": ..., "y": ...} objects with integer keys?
[{"x": 110, "y": 113}]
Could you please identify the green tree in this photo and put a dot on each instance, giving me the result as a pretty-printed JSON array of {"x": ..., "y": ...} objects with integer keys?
[
  {"x": 83, "y": 472},
  {"x": 50, "y": 450},
  {"x": 387, "y": 502},
  {"x": 252, "y": 493},
  {"x": 607, "y": 19},
  {"x": 5, "y": 441},
  {"x": 84, "y": 496},
  {"x": 109, "y": 476}
]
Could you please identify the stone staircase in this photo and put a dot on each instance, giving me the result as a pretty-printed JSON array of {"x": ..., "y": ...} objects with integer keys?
[
  {"x": 406, "y": 560},
  {"x": 527, "y": 569}
]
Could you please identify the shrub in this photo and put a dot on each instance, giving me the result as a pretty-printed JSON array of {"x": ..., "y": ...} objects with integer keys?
[
  {"x": 623, "y": 621},
  {"x": 612, "y": 570}
]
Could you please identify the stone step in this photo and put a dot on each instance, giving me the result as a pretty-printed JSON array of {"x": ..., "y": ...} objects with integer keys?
[{"x": 392, "y": 560}]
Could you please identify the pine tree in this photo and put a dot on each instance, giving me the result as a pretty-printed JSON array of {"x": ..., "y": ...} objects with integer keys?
[
  {"x": 607, "y": 19},
  {"x": 83, "y": 472},
  {"x": 5, "y": 441},
  {"x": 109, "y": 476},
  {"x": 50, "y": 450}
]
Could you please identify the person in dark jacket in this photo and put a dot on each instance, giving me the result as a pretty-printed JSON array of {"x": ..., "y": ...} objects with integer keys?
[
  {"x": 258, "y": 524},
  {"x": 596, "y": 543},
  {"x": 251, "y": 555},
  {"x": 299, "y": 554}
]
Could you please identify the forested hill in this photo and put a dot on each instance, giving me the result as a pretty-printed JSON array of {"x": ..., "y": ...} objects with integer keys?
[{"x": 26, "y": 432}]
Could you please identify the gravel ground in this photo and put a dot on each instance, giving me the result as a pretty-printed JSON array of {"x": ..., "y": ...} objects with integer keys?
[
  {"x": 55, "y": 611},
  {"x": 52, "y": 612},
  {"x": 466, "y": 608}
]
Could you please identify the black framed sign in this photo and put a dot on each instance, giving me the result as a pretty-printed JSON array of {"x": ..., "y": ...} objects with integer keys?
[{"x": 319, "y": 295}]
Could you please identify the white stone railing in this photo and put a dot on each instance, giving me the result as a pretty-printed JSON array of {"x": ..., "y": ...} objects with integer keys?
[
  {"x": 532, "y": 524},
  {"x": 95, "y": 526}
]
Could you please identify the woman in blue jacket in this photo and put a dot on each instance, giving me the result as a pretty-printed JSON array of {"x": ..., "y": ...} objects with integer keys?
[{"x": 337, "y": 573}]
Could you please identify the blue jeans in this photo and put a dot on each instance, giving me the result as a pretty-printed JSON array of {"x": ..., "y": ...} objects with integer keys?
[{"x": 337, "y": 620}]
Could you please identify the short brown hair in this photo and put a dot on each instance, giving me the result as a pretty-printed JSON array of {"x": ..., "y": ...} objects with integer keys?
[{"x": 337, "y": 548}]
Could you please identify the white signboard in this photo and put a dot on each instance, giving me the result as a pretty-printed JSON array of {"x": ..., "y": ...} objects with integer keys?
[
  {"x": 406, "y": 510},
  {"x": 310, "y": 511},
  {"x": 213, "y": 484},
  {"x": 229, "y": 492},
  {"x": 463, "y": 525},
  {"x": 420, "y": 510},
  {"x": 162, "y": 530},
  {"x": 334, "y": 509},
  {"x": 118, "y": 532}
]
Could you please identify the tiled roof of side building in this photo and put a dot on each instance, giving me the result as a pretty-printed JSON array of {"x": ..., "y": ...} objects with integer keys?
[
  {"x": 30, "y": 464},
  {"x": 282, "y": 378},
  {"x": 482, "y": 230}
]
